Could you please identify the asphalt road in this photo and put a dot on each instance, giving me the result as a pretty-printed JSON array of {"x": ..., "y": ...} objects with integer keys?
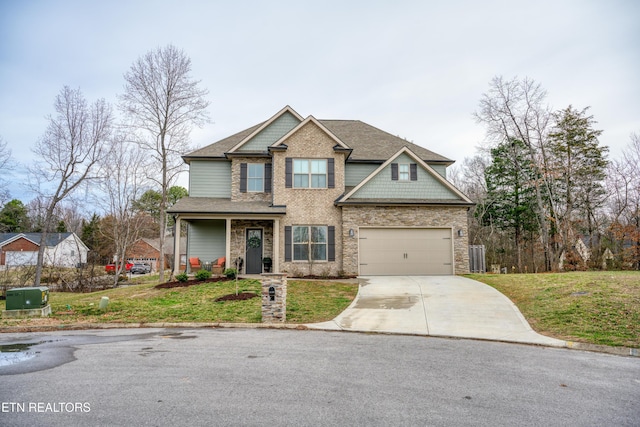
[{"x": 198, "y": 377}]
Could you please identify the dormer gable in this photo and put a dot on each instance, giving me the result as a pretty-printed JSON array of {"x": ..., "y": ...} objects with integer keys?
[
  {"x": 405, "y": 177},
  {"x": 270, "y": 131}
]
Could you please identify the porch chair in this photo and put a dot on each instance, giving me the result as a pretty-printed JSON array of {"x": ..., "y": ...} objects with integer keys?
[
  {"x": 218, "y": 265},
  {"x": 194, "y": 264}
]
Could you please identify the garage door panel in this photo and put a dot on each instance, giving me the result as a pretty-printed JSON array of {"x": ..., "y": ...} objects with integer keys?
[{"x": 405, "y": 251}]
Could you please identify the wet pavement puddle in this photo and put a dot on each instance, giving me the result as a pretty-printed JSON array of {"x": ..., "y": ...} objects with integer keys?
[
  {"x": 16, "y": 353},
  {"x": 389, "y": 303}
]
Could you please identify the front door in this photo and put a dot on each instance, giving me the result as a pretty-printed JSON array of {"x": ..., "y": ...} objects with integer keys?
[{"x": 254, "y": 251}]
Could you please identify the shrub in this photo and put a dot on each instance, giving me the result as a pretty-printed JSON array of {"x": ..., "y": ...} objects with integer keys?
[
  {"x": 182, "y": 277},
  {"x": 231, "y": 273},
  {"x": 203, "y": 274}
]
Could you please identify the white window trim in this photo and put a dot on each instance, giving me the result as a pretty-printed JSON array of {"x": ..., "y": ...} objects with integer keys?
[
  {"x": 310, "y": 174},
  {"x": 250, "y": 178},
  {"x": 400, "y": 172},
  {"x": 309, "y": 244}
]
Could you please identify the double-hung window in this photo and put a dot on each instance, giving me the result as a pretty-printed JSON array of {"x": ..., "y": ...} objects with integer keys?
[
  {"x": 310, "y": 173},
  {"x": 403, "y": 172},
  {"x": 255, "y": 177},
  {"x": 310, "y": 243}
]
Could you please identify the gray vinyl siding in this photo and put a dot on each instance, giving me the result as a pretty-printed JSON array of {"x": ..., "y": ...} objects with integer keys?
[
  {"x": 441, "y": 169},
  {"x": 206, "y": 239},
  {"x": 382, "y": 186},
  {"x": 276, "y": 130},
  {"x": 355, "y": 173},
  {"x": 210, "y": 178}
]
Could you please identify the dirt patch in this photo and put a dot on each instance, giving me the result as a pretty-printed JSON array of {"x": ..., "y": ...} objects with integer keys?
[
  {"x": 240, "y": 297},
  {"x": 176, "y": 284}
]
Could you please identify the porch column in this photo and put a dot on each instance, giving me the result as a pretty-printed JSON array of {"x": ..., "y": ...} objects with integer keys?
[
  {"x": 176, "y": 247},
  {"x": 276, "y": 246},
  {"x": 227, "y": 243}
]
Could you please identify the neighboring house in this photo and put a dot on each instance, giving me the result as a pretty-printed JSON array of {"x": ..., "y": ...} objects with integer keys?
[
  {"x": 324, "y": 197},
  {"x": 62, "y": 249},
  {"x": 583, "y": 252},
  {"x": 148, "y": 251}
]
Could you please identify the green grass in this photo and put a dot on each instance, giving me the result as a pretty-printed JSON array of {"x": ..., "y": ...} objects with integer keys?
[
  {"x": 594, "y": 307},
  {"x": 317, "y": 301},
  {"x": 307, "y": 302}
]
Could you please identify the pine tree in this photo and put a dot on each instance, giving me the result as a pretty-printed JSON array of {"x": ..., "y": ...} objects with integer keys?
[
  {"x": 579, "y": 169},
  {"x": 511, "y": 192}
]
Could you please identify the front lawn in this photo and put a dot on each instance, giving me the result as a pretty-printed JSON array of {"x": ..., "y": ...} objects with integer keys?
[
  {"x": 596, "y": 307},
  {"x": 307, "y": 302}
]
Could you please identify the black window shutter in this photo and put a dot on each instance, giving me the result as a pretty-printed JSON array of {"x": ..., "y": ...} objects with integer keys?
[
  {"x": 288, "y": 172},
  {"x": 331, "y": 178},
  {"x": 331, "y": 255},
  {"x": 267, "y": 177},
  {"x": 287, "y": 243},
  {"x": 394, "y": 171},
  {"x": 243, "y": 177},
  {"x": 414, "y": 171}
]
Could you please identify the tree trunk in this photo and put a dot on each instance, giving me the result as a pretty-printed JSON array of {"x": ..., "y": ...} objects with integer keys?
[{"x": 163, "y": 207}]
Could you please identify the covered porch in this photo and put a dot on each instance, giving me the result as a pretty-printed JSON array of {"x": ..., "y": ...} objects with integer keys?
[{"x": 246, "y": 231}]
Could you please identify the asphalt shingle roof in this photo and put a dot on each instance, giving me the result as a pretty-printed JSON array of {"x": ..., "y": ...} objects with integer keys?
[
  {"x": 367, "y": 142},
  {"x": 52, "y": 238},
  {"x": 197, "y": 205}
]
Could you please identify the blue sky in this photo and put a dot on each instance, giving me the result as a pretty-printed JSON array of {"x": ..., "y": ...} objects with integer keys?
[{"x": 416, "y": 69}]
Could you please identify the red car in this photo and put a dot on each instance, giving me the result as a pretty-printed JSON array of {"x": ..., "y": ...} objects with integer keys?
[{"x": 111, "y": 268}]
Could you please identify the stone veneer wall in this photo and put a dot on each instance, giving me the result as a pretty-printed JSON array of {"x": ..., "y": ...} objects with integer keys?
[
  {"x": 400, "y": 216},
  {"x": 274, "y": 311},
  {"x": 239, "y": 237},
  {"x": 309, "y": 206}
]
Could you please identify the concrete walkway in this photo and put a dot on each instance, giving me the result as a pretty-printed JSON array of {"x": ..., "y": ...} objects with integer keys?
[{"x": 444, "y": 306}]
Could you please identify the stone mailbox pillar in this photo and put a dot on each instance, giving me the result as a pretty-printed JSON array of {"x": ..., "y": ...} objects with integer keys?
[{"x": 274, "y": 298}]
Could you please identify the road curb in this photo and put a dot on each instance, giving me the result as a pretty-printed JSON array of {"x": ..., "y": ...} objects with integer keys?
[
  {"x": 570, "y": 345},
  {"x": 619, "y": 351},
  {"x": 86, "y": 326}
]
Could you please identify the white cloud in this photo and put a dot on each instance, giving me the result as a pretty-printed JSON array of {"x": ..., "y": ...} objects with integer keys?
[{"x": 413, "y": 68}]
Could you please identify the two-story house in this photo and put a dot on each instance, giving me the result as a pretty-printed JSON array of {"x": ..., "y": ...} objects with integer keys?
[{"x": 324, "y": 197}]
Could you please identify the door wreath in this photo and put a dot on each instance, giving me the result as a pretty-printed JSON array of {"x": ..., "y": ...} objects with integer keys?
[{"x": 254, "y": 242}]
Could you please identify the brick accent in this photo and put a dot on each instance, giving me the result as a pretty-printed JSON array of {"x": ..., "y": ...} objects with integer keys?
[
  {"x": 276, "y": 310},
  {"x": 400, "y": 216},
  {"x": 20, "y": 244},
  {"x": 309, "y": 206},
  {"x": 236, "y": 195}
]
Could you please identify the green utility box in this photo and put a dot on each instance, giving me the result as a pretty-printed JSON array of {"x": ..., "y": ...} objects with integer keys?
[{"x": 27, "y": 298}]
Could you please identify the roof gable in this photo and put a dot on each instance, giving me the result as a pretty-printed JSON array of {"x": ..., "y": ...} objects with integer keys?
[
  {"x": 6, "y": 238},
  {"x": 269, "y": 132},
  {"x": 305, "y": 122},
  {"x": 53, "y": 239},
  {"x": 429, "y": 186}
]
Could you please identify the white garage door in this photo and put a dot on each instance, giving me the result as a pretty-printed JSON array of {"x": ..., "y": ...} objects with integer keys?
[{"x": 405, "y": 251}]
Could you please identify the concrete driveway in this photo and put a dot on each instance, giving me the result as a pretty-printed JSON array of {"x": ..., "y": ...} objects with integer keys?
[{"x": 445, "y": 306}]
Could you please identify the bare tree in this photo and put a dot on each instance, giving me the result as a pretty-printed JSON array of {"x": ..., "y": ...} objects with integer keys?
[
  {"x": 515, "y": 109},
  {"x": 623, "y": 186},
  {"x": 163, "y": 102},
  {"x": 5, "y": 166},
  {"x": 67, "y": 154},
  {"x": 122, "y": 183}
]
